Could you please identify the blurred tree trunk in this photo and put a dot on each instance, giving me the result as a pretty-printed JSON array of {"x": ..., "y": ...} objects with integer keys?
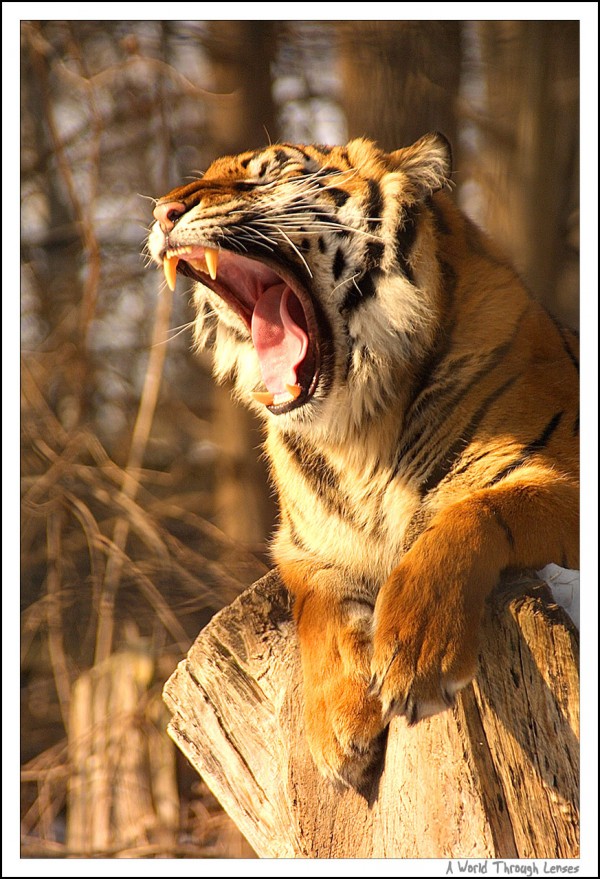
[
  {"x": 58, "y": 272},
  {"x": 242, "y": 116},
  {"x": 529, "y": 156},
  {"x": 400, "y": 79},
  {"x": 241, "y": 53}
]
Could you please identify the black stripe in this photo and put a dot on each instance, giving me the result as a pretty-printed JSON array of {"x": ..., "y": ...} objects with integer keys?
[
  {"x": 295, "y": 536},
  {"x": 322, "y": 244},
  {"x": 406, "y": 232},
  {"x": 517, "y": 462},
  {"x": 374, "y": 254},
  {"x": 499, "y": 518},
  {"x": 339, "y": 263},
  {"x": 438, "y": 217},
  {"x": 474, "y": 460},
  {"x": 450, "y": 456},
  {"x": 319, "y": 475},
  {"x": 302, "y": 152},
  {"x": 360, "y": 291},
  {"x": 282, "y": 156},
  {"x": 328, "y": 171},
  {"x": 443, "y": 339},
  {"x": 339, "y": 196},
  {"x": 423, "y": 427},
  {"x": 374, "y": 206},
  {"x": 449, "y": 377},
  {"x": 563, "y": 337},
  {"x": 542, "y": 440},
  {"x": 300, "y": 604},
  {"x": 530, "y": 449}
]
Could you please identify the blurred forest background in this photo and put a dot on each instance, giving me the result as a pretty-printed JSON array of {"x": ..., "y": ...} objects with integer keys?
[{"x": 145, "y": 506}]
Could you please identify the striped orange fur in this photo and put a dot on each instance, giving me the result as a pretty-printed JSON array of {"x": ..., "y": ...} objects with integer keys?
[{"x": 420, "y": 408}]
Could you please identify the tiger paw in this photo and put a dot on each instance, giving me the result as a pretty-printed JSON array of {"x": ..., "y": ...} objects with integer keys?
[
  {"x": 425, "y": 645},
  {"x": 343, "y": 723},
  {"x": 342, "y": 720}
]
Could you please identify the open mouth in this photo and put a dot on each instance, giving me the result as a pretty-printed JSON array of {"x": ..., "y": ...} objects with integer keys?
[{"x": 277, "y": 310}]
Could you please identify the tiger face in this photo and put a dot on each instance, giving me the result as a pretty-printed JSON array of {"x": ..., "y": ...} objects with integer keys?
[{"x": 288, "y": 246}]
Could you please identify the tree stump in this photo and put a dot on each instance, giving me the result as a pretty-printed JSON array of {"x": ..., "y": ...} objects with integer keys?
[{"x": 497, "y": 776}]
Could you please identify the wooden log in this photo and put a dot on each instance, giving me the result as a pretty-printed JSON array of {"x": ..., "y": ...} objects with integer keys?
[{"x": 495, "y": 777}]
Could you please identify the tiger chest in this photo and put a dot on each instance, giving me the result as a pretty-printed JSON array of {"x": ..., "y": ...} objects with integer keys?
[{"x": 335, "y": 515}]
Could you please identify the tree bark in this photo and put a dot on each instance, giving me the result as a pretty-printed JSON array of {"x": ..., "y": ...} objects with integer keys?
[
  {"x": 495, "y": 777},
  {"x": 400, "y": 79},
  {"x": 527, "y": 161}
]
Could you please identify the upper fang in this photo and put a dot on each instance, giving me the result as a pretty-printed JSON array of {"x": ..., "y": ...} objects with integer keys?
[
  {"x": 211, "y": 256},
  {"x": 170, "y": 270}
]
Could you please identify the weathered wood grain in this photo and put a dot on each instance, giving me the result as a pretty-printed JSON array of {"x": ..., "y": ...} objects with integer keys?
[{"x": 496, "y": 777}]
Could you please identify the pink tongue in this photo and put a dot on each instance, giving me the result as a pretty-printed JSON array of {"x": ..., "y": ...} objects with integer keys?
[{"x": 280, "y": 343}]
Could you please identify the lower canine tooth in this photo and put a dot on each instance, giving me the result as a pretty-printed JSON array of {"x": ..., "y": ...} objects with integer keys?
[
  {"x": 294, "y": 391},
  {"x": 266, "y": 399}
]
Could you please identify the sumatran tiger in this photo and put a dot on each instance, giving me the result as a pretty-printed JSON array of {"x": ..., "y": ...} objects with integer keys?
[{"x": 421, "y": 413}]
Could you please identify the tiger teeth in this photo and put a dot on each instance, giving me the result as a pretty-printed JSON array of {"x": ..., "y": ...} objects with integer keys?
[
  {"x": 268, "y": 399},
  {"x": 170, "y": 270},
  {"x": 208, "y": 264},
  {"x": 294, "y": 391},
  {"x": 211, "y": 256}
]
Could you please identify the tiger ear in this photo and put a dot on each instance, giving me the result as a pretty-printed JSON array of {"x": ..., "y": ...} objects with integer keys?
[{"x": 427, "y": 163}]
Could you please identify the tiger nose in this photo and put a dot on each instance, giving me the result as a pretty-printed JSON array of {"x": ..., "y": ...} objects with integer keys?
[{"x": 168, "y": 213}]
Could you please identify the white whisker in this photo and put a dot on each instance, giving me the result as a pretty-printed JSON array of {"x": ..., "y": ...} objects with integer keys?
[
  {"x": 352, "y": 280},
  {"x": 174, "y": 332},
  {"x": 293, "y": 246}
]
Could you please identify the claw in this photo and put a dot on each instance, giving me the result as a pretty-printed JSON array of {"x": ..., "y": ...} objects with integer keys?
[
  {"x": 395, "y": 708},
  {"x": 412, "y": 711},
  {"x": 374, "y": 688},
  {"x": 449, "y": 698},
  {"x": 377, "y": 680}
]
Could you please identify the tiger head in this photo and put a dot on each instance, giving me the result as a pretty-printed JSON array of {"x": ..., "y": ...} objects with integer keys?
[{"x": 316, "y": 272}]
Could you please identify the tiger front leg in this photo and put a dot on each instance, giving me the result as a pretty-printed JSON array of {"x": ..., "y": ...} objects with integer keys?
[
  {"x": 428, "y": 614},
  {"x": 334, "y": 628}
]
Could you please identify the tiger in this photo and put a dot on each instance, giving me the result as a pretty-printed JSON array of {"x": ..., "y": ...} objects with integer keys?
[{"x": 420, "y": 413}]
